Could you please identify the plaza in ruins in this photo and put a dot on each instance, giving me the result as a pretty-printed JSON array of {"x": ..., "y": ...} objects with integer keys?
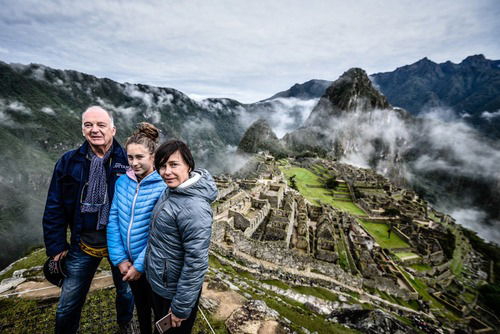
[{"x": 322, "y": 223}]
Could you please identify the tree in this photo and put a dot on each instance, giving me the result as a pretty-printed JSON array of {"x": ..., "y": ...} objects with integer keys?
[
  {"x": 332, "y": 183},
  {"x": 293, "y": 183},
  {"x": 392, "y": 211}
]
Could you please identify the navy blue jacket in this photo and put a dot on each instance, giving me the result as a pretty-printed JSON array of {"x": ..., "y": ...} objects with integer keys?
[{"x": 62, "y": 208}]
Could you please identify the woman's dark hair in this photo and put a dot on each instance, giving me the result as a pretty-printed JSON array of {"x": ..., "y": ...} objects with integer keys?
[
  {"x": 165, "y": 150},
  {"x": 146, "y": 134}
]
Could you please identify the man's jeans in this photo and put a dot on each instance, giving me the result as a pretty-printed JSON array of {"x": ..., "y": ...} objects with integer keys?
[{"x": 81, "y": 268}]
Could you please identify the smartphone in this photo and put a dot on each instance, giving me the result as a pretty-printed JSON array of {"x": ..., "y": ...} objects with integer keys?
[{"x": 164, "y": 324}]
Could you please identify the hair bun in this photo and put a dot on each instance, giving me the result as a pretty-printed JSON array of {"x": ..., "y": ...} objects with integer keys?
[{"x": 147, "y": 130}]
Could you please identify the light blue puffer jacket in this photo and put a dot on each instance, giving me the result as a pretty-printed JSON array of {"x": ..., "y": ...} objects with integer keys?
[
  {"x": 177, "y": 252},
  {"x": 128, "y": 225}
]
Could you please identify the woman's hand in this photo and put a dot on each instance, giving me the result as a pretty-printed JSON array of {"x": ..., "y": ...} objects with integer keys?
[
  {"x": 132, "y": 274},
  {"x": 124, "y": 267},
  {"x": 176, "y": 322}
]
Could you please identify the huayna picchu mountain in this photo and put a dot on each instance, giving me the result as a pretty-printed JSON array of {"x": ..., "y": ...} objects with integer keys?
[
  {"x": 353, "y": 122},
  {"x": 471, "y": 89},
  {"x": 351, "y": 92}
]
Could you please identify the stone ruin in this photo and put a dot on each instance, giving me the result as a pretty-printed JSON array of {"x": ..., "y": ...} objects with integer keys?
[{"x": 263, "y": 217}]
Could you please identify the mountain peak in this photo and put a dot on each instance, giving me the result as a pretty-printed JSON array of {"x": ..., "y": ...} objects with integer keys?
[
  {"x": 425, "y": 60},
  {"x": 259, "y": 137},
  {"x": 354, "y": 90},
  {"x": 311, "y": 89},
  {"x": 474, "y": 60}
]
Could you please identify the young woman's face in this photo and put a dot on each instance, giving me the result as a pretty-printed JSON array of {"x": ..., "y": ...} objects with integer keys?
[
  {"x": 140, "y": 160},
  {"x": 175, "y": 171}
]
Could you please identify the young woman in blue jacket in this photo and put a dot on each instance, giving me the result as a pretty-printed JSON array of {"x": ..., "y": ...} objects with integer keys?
[{"x": 136, "y": 193}]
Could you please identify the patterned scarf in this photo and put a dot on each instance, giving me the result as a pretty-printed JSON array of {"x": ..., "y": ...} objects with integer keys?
[{"x": 97, "y": 190}]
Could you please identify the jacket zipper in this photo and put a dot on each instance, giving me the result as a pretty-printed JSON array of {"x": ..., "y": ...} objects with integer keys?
[{"x": 132, "y": 220}]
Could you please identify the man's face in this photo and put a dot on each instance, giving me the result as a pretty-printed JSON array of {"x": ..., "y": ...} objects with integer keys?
[{"x": 97, "y": 128}]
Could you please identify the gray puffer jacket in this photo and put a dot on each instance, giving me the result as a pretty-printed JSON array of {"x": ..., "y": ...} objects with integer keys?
[{"x": 177, "y": 252}]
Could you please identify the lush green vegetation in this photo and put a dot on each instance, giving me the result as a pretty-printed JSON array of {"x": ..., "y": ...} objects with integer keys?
[
  {"x": 296, "y": 312},
  {"x": 347, "y": 206},
  {"x": 277, "y": 283},
  {"x": 36, "y": 258},
  {"x": 380, "y": 233},
  {"x": 422, "y": 290},
  {"x": 406, "y": 255},
  {"x": 311, "y": 187},
  {"x": 420, "y": 266},
  {"x": 413, "y": 304},
  {"x": 316, "y": 292}
]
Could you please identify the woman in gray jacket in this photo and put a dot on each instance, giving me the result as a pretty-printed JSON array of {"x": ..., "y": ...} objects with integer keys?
[{"x": 177, "y": 251}]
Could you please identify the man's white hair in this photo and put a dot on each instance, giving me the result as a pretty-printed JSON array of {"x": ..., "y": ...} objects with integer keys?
[{"x": 96, "y": 108}]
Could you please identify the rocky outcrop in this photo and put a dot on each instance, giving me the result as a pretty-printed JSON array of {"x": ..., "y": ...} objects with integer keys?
[
  {"x": 260, "y": 137},
  {"x": 371, "y": 321},
  {"x": 352, "y": 91},
  {"x": 254, "y": 317},
  {"x": 308, "y": 90}
]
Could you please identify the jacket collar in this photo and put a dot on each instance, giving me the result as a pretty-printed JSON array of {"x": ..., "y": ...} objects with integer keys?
[
  {"x": 116, "y": 148},
  {"x": 151, "y": 178}
]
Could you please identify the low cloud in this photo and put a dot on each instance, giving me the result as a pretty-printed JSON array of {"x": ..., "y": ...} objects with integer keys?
[
  {"x": 283, "y": 114},
  {"x": 490, "y": 115},
  {"x": 19, "y": 107},
  {"x": 474, "y": 219},
  {"x": 421, "y": 150},
  {"x": 48, "y": 111}
]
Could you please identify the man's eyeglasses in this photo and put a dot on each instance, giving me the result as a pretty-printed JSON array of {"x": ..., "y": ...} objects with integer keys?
[{"x": 86, "y": 185}]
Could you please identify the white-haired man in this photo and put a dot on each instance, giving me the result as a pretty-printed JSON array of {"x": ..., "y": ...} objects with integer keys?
[{"x": 79, "y": 197}]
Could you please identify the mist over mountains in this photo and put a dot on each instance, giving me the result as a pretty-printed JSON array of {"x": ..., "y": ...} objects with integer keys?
[
  {"x": 40, "y": 111},
  {"x": 469, "y": 90},
  {"x": 449, "y": 162}
]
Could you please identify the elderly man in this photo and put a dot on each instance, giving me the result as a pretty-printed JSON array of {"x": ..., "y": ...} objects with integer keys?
[{"x": 79, "y": 197}]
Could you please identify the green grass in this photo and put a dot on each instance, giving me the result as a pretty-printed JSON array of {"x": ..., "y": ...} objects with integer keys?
[
  {"x": 18, "y": 315},
  {"x": 379, "y": 233},
  {"x": 277, "y": 283},
  {"x": 299, "y": 315},
  {"x": 343, "y": 261},
  {"x": 423, "y": 291},
  {"x": 317, "y": 292},
  {"x": 305, "y": 178},
  {"x": 405, "y": 255},
  {"x": 420, "y": 266},
  {"x": 213, "y": 262},
  {"x": 460, "y": 249},
  {"x": 413, "y": 304},
  {"x": 36, "y": 258},
  {"x": 347, "y": 206}
]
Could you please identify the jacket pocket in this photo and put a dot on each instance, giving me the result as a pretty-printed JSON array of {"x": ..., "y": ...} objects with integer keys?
[
  {"x": 164, "y": 277},
  {"x": 69, "y": 189}
]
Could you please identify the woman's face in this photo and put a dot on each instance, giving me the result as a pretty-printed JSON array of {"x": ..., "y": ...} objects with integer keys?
[
  {"x": 140, "y": 160},
  {"x": 175, "y": 171}
]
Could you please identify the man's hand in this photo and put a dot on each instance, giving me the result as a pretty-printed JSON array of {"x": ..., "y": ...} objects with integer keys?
[
  {"x": 176, "y": 322},
  {"x": 124, "y": 267},
  {"x": 61, "y": 255},
  {"x": 132, "y": 274}
]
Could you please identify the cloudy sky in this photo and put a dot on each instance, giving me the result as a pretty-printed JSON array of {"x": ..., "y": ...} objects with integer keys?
[{"x": 247, "y": 50}]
